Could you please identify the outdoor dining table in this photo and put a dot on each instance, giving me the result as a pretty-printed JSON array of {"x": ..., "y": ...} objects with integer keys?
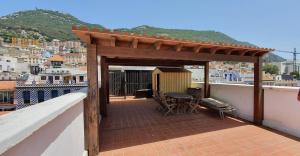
[{"x": 180, "y": 98}]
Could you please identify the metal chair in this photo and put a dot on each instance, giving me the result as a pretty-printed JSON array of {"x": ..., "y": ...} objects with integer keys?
[
  {"x": 194, "y": 104},
  {"x": 168, "y": 104}
]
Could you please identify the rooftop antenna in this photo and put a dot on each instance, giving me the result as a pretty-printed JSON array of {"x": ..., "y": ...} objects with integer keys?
[{"x": 294, "y": 60}]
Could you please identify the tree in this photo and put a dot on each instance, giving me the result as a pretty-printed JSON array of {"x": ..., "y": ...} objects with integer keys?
[
  {"x": 295, "y": 74},
  {"x": 271, "y": 69}
]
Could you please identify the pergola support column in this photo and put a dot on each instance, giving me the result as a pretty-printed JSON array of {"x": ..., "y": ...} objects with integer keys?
[
  {"x": 91, "y": 104},
  {"x": 258, "y": 92},
  {"x": 104, "y": 86},
  {"x": 206, "y": 80}
]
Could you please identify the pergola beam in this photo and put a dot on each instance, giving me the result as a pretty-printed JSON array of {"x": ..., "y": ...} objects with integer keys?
[
  {"x": 197, "y": 49},
  {"x": 157, "y": 45},
  {"x": 228, "y": 51},
  {"x": 149, "y": 62},
  {"x": 135, "y": 43},
  {"x": 213, "y": 51},
  {"x": 178, "y": 47},
  {"x": 113, "y": 41},
  {"x": 124, "y": 52},
  {"x": 244, "y": 52}
]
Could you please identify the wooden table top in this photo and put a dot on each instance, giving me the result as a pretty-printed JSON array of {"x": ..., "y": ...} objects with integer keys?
[{"x": 176, "y": 95}]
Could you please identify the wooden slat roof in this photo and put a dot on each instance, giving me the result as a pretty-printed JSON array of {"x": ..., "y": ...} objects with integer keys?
[
  {"x": 123, "y": 45},
  {"x": 84, "y": 33}
]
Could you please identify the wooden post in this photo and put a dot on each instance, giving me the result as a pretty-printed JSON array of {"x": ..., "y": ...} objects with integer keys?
[
  {"x": 104, "y": 81},
  {"x": 206, "y": 80},
  {"x": 258, "y": 93},
  {"x": 107, "y": 86},
  {"x": 91, "y": 104}
]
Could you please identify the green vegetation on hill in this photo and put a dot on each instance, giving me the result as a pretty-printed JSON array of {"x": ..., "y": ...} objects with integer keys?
[
  {"x": 43, "y": 24},
  {"x": 210, "y": 36}
]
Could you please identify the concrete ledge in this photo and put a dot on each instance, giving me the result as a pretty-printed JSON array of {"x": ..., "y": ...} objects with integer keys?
[
  {"x": 281, "y": 127},
  {"x": 282, "y": 88},
  {"x": 227, "y": 84},
  {"x": 20, "y": 124}
]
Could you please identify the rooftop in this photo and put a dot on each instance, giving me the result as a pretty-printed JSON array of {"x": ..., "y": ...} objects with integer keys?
[
  {"x": 7, "y": 85},
  {"x": 56, "y": 58},
  {"x": 135, "y": 128},
  {"x": 170, "y": 69}
]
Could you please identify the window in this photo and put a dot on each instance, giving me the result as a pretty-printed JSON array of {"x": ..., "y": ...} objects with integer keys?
[
  {"x": 74, "y": 79},
  {"x": 7, "y": 97},
  {"x": 26, "y": 97},
  {"x": 56, "y": 78},
  {"x": 41, "y": 96},
  {"x": 54, "y": 93},
  {"x": 81, "y": 78},
  {"x": 67, "y": 91},
  {"x": 1, "y": 97},
  {"x": 43, "y": 77}
]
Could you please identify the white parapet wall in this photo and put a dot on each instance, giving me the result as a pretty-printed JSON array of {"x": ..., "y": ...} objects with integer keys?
[
  {"x": 51, "y": 128},
  {"x": 282, "y": 109},
  {"x": 240, "y": 96}
]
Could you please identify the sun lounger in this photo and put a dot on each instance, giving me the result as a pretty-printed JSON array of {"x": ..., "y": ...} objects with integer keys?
[{"x": 220, "y": 106}]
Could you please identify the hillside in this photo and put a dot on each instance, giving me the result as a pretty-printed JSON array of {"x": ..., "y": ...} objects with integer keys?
[
  {"x": 270, "y": 57},
  {"x": 211, "y": 36},
  {"x": 43, "y": 24},
  {"x": 48, "y": 25}
]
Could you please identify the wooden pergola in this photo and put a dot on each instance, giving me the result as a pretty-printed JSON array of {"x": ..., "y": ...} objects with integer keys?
[{"x": 105, "y": 47}]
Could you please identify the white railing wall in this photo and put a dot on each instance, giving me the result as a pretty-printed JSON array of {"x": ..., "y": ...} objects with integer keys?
[
  {"x": 282, "y": 109},
  {"x": 240, "y": 96},
  {"x": 51, "y": 128}
]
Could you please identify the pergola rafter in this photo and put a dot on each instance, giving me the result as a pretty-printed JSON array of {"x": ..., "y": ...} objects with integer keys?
[{"x": 121, "y": 48}]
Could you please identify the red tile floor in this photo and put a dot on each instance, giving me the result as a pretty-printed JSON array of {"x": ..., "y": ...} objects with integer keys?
[{"x": 135, "y": 128}]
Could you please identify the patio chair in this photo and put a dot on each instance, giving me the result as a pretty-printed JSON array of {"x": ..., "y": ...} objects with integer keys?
[
  {"x": 168, "y": 105},
  {"x": 156, "y": 96},
  {"x": 194, "y": 104}
]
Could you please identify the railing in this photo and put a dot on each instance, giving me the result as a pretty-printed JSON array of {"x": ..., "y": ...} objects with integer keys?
[
  {"x": 53, "y": 127},
  {"x": 47, "y": 83},
  {"x": 281, "y": 107}
]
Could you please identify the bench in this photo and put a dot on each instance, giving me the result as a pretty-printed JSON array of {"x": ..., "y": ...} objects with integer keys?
[{"x": 219, "y": 106}]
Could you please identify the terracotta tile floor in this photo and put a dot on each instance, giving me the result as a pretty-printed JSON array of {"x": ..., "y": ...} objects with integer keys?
[{"x": 135, "y": 128}]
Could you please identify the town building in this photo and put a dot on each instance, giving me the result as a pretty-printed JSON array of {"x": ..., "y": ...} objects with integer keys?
[
  {"x": 75, "y": 59},
  {"x": 54, "y": 81},
  {"x": 7, "y": 95}
]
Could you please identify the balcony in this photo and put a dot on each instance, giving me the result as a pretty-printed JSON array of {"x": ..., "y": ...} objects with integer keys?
[{"x": 134, "y": 127}]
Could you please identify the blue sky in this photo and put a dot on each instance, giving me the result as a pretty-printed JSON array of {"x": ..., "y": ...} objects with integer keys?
[{"x": 266, "y": 23}]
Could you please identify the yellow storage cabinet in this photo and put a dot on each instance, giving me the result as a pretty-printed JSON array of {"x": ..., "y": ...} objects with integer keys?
[{"x": 171, "y": 79}]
